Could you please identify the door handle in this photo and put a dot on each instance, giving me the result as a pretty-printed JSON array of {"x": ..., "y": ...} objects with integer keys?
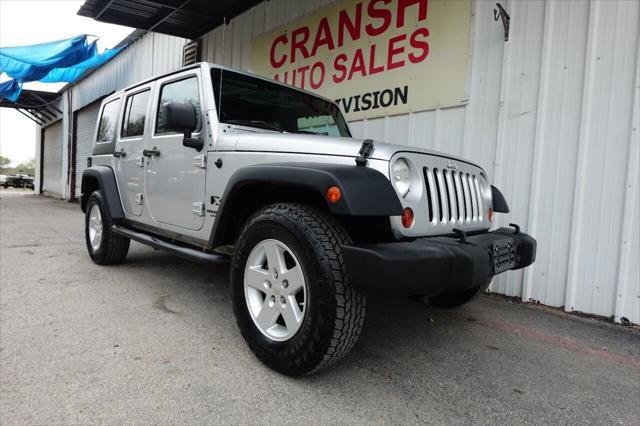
[
  {"x": 119, "y": 154},
  {"x": 151, "y": 152}
]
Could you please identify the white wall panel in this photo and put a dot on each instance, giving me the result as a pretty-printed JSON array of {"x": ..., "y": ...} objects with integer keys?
[
  {"x": 52, "y": 159},
  {"x": 238, "y": 33},
  {"x": 86, "y": 121},
  {"x": 579, "y": 151},
  {"x": 518, "y": 117},
  {"x": 150, "y": 55},
  {"x": 627, "y": 296},
  {"x": 52, "y": 116},
  {"x": 605, "y": 126}
]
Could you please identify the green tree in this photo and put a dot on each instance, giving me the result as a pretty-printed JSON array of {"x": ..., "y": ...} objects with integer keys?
[
  {"x": 4, "y": 162},
  {"x": 27, "y": 167}
]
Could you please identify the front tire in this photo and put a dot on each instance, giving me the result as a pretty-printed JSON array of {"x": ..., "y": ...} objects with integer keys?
[
  {"x": 104, "y": 246},
  {"x": 293, "y": 303}
]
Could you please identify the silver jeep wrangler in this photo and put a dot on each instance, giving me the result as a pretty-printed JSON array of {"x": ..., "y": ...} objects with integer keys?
[{"x": 219, "y": 166}]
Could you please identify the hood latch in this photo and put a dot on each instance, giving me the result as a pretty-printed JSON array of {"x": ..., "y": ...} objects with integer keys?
[{"x": 365, "y": 152}]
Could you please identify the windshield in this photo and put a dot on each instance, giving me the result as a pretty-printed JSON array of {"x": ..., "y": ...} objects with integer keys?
[{"x": 259, "y": 103}]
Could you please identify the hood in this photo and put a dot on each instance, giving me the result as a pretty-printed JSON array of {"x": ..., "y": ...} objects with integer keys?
[{"x": 320, "y": 144}]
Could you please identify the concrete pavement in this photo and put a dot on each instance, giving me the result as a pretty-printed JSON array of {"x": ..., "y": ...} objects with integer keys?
[{"x": 154, "y": 341}]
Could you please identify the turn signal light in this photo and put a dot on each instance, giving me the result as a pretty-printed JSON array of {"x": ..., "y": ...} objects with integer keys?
[
  {"x": 490, "y": 214},
  {"x": 407, "y": 218},
  {"x": 333, "y": 194}
]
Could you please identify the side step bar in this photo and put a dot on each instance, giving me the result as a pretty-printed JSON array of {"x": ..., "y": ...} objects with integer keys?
[{"x": 180, "y": 251}]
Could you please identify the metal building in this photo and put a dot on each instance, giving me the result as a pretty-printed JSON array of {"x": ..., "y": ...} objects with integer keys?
[
  {"x": 552, "y": 113},
  {"x": 67, "y": 139}
]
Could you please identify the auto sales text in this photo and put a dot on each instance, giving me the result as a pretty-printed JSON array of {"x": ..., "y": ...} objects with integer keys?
[{"x": 382, "y": 15}]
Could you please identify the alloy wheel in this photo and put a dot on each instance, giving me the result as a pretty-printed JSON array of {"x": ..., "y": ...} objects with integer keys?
[
  {"x": 95, "y": 227},
  {"x": 275, "y": 290}
]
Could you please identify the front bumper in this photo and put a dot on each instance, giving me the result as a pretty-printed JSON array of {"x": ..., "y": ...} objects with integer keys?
[{"x": 438, "y": 265}]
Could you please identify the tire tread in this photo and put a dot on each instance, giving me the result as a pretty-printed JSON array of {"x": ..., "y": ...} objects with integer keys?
[
  {"x": 114, "y": 247},
  {"x": 326, "y": 236}
]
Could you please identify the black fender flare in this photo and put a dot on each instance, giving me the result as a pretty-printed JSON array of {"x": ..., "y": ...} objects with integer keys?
[
  {"x": 106, "y": 179},
  {"x": 364, "y": 191},
  {"x": 499, "y": 203}
]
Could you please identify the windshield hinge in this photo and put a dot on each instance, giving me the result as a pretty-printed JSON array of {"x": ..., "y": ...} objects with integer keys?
[
  {"x": 200, "y": 161},
  {"x": 198, "y": 208},
  {"x": 365, "y": 152}
]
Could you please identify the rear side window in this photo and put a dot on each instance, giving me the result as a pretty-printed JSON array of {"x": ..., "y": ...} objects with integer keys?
[
  {"x": 135, "y": 113},
  {"x": 181, "y": 91},
  {"x": 108, "y": 119}
]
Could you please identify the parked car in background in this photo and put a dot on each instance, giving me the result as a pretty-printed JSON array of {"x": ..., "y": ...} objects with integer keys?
[
  {"x": 18, "y": 181},
  {"x": 28, "y": 182},
  {"x": 3, "y": 180}
]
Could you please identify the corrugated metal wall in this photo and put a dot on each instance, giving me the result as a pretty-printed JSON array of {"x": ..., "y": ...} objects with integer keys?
[
  {"x": 48, "y": 120},
  {"x": 52, "y": 158},
  {"x": 85, "y": 130},
  {"x": 550, "y": 117},
  {"x": 151, "y": 55},
  {"x": 567, "y": 97}
]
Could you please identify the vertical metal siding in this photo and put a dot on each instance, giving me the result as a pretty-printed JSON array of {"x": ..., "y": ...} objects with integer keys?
[
  {"x": 52, "y": 157},
  {"x": 605, "y": 126},
  {"x": 85, "y": 131},
  {"x": 627, "y": 295},
  {"x": 238, "y": 33},
  {"x": 551, "y": 118},
  {"x": 150, "y": 55},
  {"x": 575, "y": 202}
]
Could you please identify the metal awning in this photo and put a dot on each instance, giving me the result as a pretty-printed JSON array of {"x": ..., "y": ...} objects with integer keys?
[
  {"x": 181, "y": 18},
  {"x": 37, "y": 106}
]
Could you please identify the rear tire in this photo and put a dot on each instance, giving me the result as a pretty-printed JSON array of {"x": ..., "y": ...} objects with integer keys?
[
  {"x": 104, "y": 246},
  {"x": 330, "y": 311}
]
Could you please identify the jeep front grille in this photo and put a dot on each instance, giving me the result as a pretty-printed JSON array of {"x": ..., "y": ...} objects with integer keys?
[{"x": 453, "y": 197}]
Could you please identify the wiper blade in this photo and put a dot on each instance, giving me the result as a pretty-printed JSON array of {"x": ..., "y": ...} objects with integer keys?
[
  {"x": 308, "y": 132},
  {"x": 267, "y": 125},
  {"x": 256, "y": 123}
]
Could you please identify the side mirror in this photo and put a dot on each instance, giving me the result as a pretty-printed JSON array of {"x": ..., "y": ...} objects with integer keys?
[{"x": 182, "y": 118}]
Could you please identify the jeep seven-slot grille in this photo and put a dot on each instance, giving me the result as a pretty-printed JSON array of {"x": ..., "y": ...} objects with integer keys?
[{"x": 452, "y": 196}]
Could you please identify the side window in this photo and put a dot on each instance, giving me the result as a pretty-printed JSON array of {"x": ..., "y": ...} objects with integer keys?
[
  {"x": 107, "y": 126},
  {"x": 135, "y": 112},
  {"x": 181, "y": 91}
]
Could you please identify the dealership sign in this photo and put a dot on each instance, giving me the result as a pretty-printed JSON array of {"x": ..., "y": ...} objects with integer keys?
[{"x": 374, "y": 57}]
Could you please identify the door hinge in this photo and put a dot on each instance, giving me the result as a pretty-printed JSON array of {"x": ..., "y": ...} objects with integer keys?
[
  {"x": 140, "y": 161},
  {"x": 139, "y": 198},
  {"x": 198, "y": 208},
  {"x": 200, "y": 161}
]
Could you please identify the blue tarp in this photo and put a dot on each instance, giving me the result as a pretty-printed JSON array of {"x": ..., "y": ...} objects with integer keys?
[
  {"x": 11, "y": 90},
  {"x": 62, "y": 61},
  {"x": 31, "y": 63},
  {"x": 72, "y": 73}
]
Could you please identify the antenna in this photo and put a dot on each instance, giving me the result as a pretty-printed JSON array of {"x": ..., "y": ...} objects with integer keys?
[{"x": 224, "y": 26}]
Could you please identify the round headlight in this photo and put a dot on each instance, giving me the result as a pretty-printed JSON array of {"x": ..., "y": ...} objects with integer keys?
[{"x": 401, "y": 176}]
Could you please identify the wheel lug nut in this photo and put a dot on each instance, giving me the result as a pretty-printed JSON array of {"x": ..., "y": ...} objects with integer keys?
[
  {"x": 283, "y": 300},
  {"x": 275, "y": 273},
  {"x": 268, "y": 283},
  {"x": 273, "y": 299},
  {"x": 285, "y": 284}
]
